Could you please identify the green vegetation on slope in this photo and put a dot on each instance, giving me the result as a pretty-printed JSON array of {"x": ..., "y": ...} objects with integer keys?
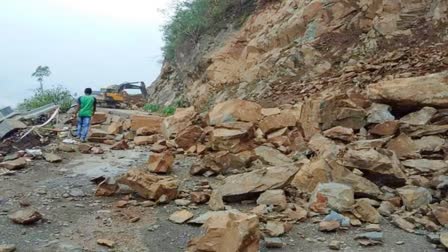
[
  {"x": 194, "y": 18},
  {"x": 41, "y": 97}
]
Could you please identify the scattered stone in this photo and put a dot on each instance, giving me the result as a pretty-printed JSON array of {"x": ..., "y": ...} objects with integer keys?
[
  {"x": 181, "y": 216},
  {"x": 199, "y": 197},
  {"x": 276, "y": 198},
  {"x": 329, "y": 226},
  {"x": 243, "y": 186},
  {"x": 234, "y": 110},
  {"x": 420, "y": 117},
  {"x": 366, "y": 212},
  {"x": 272, "y": 156},
  {"x": 98, "y": 118},
  {"x": 115, "y": 128},
  {"x": 52, "y": 158},
  {"x": 26, "y": 216},
  {"x": 14, "y": 164},
  {"x": 430, "y": 144},
  {"x": 386, "y": 208},
  {"x": 152, "y": 123},
  {"x": 121, "y": 145},
  {"x": 370, "y": 236},
  {"x": 340, "y": 197},
  {"x": 150, "y": 186},
  {"x": 433, "y": 238},
  {"x": 273, "y": 242},
  {"x": 275, "y": 228},
  {"x": 414, "y": 197},
  {"x": 216, "y": 203},
  {"x": 373, "y": 228},
  {"x": 181, "y": 119},
  {"x": 230, "y": 232},
  {"x": 334, "y": 216},
  {"x": 160, "y": 163},
  {"x": 403, "y": 146},
  {"x": 107, "y": 188},
  {"x": 278, "y": 121},
  {"x": 97, "y": 150},
  {"x": 144, "y": 131},
  {"x": 379, "y": 113},
  {"x": 334, "y": 245},
  {"x": 426, "y": 165},
  {"x": 188, "y": 137},
  {"x": 340, "y": 133},
  {"x": 406, "y": 92},
  {"x": 105, "y": 242},
  {"x": 441, "y": 214},
  {"x": 444, "y": 239},
  {"x": 145, "y": 140},
  {"x": 182, "y": 202},
  {"x": 385, "y": 129},
  {"x": 84, "y": 148},
  {"x": 403, "y": 224},
  {"x": 7, "y": 247}
]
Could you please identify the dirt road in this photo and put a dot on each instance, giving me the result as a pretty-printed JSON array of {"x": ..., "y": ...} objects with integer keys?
[{"x": 74, "y": 218}]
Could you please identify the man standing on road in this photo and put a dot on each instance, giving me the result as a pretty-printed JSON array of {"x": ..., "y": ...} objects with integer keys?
[{"x": 86, "y": 109}]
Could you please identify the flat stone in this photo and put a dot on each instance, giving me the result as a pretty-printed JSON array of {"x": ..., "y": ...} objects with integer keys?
[
  {"x": 52, "y": 158},
  {"x": 7, "y": 247},
  {"x": 272, "y": 156},
  {"x": 444, "y": 239},
  {"x": 106, "y": 242},
  {"x": 276, "y": 198},
  {"x": 273, "y": 242},
  {"x": 275, "y": 228},
  {"x": 375, "y": 236},
  {"x": 414, "y": 197},
  {"x": 420, "y": 117},
  {"x": 25, "y": 217},
  {"x": 334, "y": 245},
  {"x": 329, "y": 226},
  {"x": 388, "y": 128},
  {"x": 426, "y": 165},
  {"x": 340, "y": 197},
  {"x": 181, "y": 216},
  {"x": 340, "y": 133},
  {"x": 14, "y": 164}
]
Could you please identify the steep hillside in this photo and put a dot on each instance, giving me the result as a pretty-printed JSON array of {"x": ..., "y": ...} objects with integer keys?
[{"x": 287, "y": 50}]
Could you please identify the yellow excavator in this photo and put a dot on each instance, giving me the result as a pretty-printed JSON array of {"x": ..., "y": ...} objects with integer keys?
[{"x": 116, "y": 96}]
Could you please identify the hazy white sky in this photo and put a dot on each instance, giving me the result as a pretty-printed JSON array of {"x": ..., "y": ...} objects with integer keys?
[{"x": 86, "y": 43}]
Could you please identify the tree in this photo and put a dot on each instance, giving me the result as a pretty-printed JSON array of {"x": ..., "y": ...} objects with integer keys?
[{"x": 40, "y": 73}]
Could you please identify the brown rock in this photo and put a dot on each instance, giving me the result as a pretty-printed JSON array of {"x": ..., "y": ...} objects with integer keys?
[
  {"x": 430, "y": 144},
  {"x": 229, "y": 139},
  {"x": 230, "y": 232},
  {"x": 407, "y": 91},
  {"x": 84, "y": 148},
  {"x": 145, "y": 140},
  {"x": 199, "y": 197},
  {"x": 234, "y": 110},
  {"x": 272, "y": 156},
  {"x": 188, "y": 137},
  {"x": 14, "y": 164},
  {"x": 274, "y": 122},
  {"x": 403, "y": 224},
  {"x": 380, "y": 166},
  {"x": 311, "y": 174},
  {"x": 66, "y": 147},
  {"x": 97, "y": 150},
  {"x": 150, "y": 186},
  {"x": 243, "y": 186},
  {"x": 174, "y": 124},
  {"x": 7, "y": 247},
  {"x": 416, "y": 131},
  {"x": 340, "y": 133},
  {"x": 181, "y": 216},
  {"x": 329, "y": 226},
  {"x": 414, "y": 197},
  {"x": 420, "y": 117},
  {"x": 385, "y": 129},
  {"x": 426, "y": 165},
  {"x": 403, "y": 146},
  {"x": 25, "y": 217},
  {"x": 115, "y": 128},
  {"x": 441, "y": 214},
  {"x": 144, "y": 131},
  {"x": 216, "y": 203},
  {"x": 276, "y": 198},
  {"x": 340, "y": 197},
  {"x": 160, "y": 163},
  {"x": 106, "y": 242},
  {"x": 325, "y": 146},
  {"x": 223, "y": 162},
  {"x": 275, "y": 228},
  {"x": 52, "y": 158},
  {"x": 98, "y": 118},
  {"x": 121, "y": 145},
  {"x": 366, "y": 212},
  {"x": 152, "y": 123},
  {"x": 106, "y": 188},
  {"x": 444, "y": 239},
  {"x": 270, "y": 111},
  {"x": 369, "y": 144}
]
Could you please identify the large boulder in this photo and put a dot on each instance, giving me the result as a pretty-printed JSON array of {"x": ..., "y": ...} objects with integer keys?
[
  {"x": 152, "y": 123},
  {"x": 251, "y": 184},
  {"x": 234, "y": 110},
  {"x": 429, "y": 90},
  {"x": 272, "y": 156},
  {"x": 228, "y": 232},
  {"x": 188, "y": 136},
  {"x": 179, "y": 121},
  {"x": 414, "y": 197},
  {"x": 380, "y": 166},
  {"x": 150, "y": 186},
  {"x": 229, "y": 139},
  {"x": 339, "y": 197},
  {"x": 274, "y": 122}
]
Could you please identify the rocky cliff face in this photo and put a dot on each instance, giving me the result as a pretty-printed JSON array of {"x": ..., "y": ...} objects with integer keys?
[{"x": 291, "y": 49}]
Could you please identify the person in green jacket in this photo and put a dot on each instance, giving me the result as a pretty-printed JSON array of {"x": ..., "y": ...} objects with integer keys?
[{"x": 86, "y": 109}]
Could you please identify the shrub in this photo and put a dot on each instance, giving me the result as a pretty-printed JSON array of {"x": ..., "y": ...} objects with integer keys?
[
  {"x": 193, "y": 18},
  {"x": 151, "y": 108},
  {"x": 170, "y": 110},
  {"x": 57, "y": 95}
]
